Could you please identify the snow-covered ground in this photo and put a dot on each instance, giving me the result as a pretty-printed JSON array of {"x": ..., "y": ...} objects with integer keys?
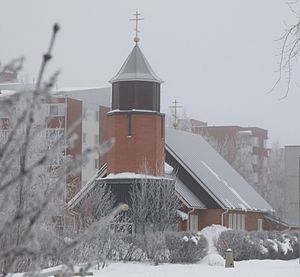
[
  {"x": 254, "y": 268},
  {"x": 211, "y": 265}
]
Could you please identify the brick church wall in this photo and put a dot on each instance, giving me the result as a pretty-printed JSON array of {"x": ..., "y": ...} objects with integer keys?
[{"x": 139, "y": 149}]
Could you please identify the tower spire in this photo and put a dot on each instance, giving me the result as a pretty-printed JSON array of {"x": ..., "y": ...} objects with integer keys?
[{"x": 136, "y": 19}]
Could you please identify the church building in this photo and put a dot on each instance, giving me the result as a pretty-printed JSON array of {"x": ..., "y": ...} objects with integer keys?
[{"x": 209, "y": 189}]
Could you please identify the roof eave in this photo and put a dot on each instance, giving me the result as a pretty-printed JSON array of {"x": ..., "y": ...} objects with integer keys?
[{"x": 115, "y": 80}]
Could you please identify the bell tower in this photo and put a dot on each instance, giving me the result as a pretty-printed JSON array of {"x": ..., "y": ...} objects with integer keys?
[{"x": 135, "y": 120}]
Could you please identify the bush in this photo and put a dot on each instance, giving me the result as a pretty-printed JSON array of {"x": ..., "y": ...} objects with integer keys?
[
  {"x": 259, "y": 245},
  {"x": 185, "y": 247},
  {"x": 160, "y": 247},
  {"x": 127, "y": 248},
  {"x": 155, "y": 247}
]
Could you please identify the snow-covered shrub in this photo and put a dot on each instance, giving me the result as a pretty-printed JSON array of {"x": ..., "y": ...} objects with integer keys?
[
  {"x": 259, "y": 245},
  {"x": 287, "y": 244},
  {"x": 185, "y": 247},
  {"x": 141, "y": 247},
  {"x": 236, "y": 240},
  {"x": 154, "y": 245},
  {"x": 128, "y": 248}
]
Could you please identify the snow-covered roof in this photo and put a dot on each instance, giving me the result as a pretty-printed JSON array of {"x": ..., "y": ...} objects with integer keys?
[
  {"x": 212, "y": 172},
  {"x": 136, "y": 68},
  {"x": 92, "y": 97},
  {"x": 168, "y": 169},
  {"x": 182, "y": 215},
  {"x": 131, "y": 175},
  {"x": 6, "y": 92},
  {"x": 75, "y": 89}
]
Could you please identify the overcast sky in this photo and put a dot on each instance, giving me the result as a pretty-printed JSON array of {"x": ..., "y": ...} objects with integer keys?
[{"x": 217, "y": 58}]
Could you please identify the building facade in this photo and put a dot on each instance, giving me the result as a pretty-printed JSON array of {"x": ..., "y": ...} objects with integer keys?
[
  {"x": 236, "y": 142},
  {"x": 292, "y": 183},
  {"x": 96, "y": 103}
]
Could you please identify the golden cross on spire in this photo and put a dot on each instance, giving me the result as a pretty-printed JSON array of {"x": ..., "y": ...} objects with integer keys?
[
  {"x": 175, "y": 107},
  {"x": 136, "y": 19}
]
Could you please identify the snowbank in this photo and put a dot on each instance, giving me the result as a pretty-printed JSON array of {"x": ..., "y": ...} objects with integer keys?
[{"x": 211, "y": 233}]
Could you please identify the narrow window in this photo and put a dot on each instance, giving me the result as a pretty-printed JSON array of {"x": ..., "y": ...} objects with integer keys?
[
  {"x": 234, "y": 221},
  {"x": 193, "y": 222},
  {"x": 230, "y": 221},
  {"x": 243, "y": 222},
  {"x": 56, "y": 110},
  {"x": 53, "y": 110},
  {"x": 129, "y": 125},
  {"x": 259, "y": 225},
  {"x": 239, "y": 222}
]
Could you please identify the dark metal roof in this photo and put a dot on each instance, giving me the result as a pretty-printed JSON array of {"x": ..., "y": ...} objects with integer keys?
[
  {"x": 187, "y": 196},
  {"x": 136, "y": 68},
  {"x": 218, "y": 178}
]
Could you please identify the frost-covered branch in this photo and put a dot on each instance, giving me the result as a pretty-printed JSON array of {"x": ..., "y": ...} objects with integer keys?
[
  {"x": 289, "y": 51},
  {"x": 34, "y": 174}
]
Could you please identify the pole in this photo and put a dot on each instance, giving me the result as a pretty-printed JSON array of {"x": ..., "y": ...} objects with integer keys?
[{"x": 299, "y": 208}]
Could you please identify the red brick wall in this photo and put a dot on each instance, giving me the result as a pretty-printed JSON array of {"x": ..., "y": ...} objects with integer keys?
[
  {"x": 269, "y": 224},
  {"x": 213, "y": 216},
  {"x": 143, "y": 151}
]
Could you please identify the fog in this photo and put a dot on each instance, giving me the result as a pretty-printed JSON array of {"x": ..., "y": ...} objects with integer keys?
[{"x": 217, "y": 58}]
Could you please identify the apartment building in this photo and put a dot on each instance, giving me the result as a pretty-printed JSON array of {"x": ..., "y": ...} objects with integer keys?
[
  {"x": 248, "y": 140},
  {"x": 292, "y": 183},
  {"x": 95, "y": 104}
]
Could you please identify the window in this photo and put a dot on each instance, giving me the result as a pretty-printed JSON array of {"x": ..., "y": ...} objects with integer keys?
[
  {"x": 236, "y": 221},
  {"x": 56, "y": 110},
  {"x": 255, "y": 141},
  {"x": 265, "y": 143},
  {"x": 243, "y": 222},
  {"x": 230, "y": 221},
  {"x": 84, "y": 137},
  {"x": 193, "y": 222},
  {"x": 259, "y": 225}
]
